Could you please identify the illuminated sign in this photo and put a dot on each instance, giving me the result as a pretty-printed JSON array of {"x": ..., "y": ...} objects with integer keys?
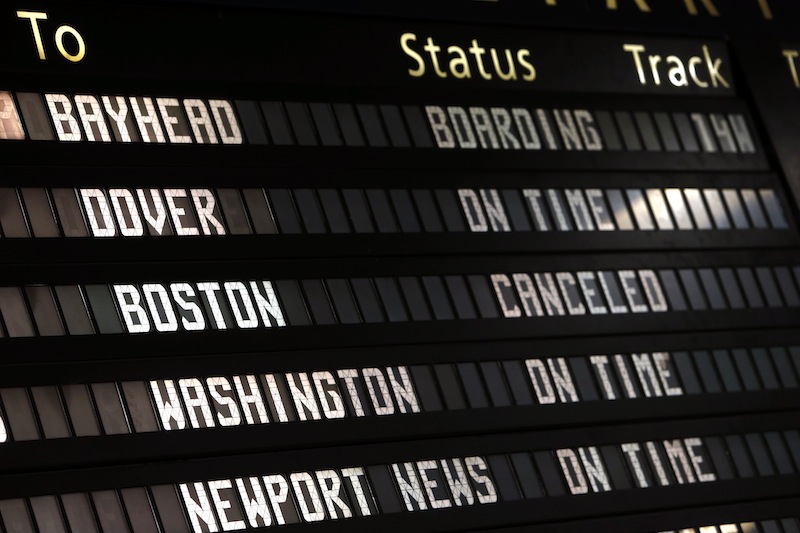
[
  {"x": 195, "y": 121},
  {"x": 260, "y": 399},
  {"x": 432, "y": 484},
  {"x": 674, "y": 70},
  {"x": 315, "y": 396},
  {"x": 572, "y": 129},
  {"x": 35, "y": 18},
  {"x": 252, "y": 305},
  {"x": 461, "y": 66},
  {"x": 126, "y": 119},
  {"x": 439, "y": 275},
  {"x": 249, "y": 304},
  {"x": 247, "y": 501},
  {"x": 151, "y": 212}
]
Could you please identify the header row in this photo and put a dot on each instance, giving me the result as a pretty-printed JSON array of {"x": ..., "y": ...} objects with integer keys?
[{"x": 249, "y": 47}]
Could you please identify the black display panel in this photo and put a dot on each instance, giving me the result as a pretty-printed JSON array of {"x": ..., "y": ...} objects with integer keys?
[{"x": 473, "y": 266}]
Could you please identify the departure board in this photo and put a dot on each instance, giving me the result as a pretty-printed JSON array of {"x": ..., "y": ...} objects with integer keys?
[{"x": 473, "y": 266}]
